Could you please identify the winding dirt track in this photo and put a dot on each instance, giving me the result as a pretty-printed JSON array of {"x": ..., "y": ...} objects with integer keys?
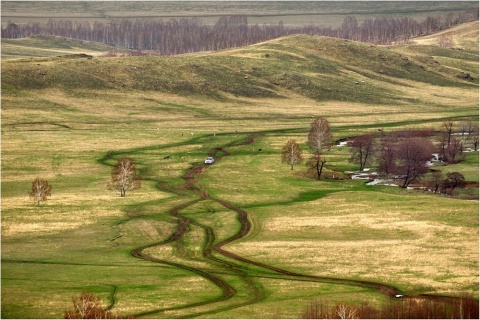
[{"x": 256, "y": 291}]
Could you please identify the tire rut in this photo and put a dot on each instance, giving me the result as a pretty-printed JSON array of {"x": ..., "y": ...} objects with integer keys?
[{"x": 228, "y": 291}]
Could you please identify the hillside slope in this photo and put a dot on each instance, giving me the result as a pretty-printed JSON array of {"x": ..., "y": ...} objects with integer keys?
[
  {"x": 319, "y": 68},
  {"x": 464, "y": 37},
  {"x": 48, "y": 46}
]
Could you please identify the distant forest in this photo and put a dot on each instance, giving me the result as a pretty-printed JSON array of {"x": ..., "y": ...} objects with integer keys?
[{"x": 191, "y": 35}]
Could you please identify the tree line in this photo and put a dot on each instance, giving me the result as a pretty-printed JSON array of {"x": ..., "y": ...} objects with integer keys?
[
  {"x": 401, "y": 155},
  {"x": 185, "y": 35}
]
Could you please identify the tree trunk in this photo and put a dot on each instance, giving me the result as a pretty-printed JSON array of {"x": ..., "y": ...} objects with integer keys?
[{"x": 320, "y": 167}]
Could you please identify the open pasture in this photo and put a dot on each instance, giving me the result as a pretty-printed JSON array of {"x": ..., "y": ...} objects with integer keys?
[
  {"x": 292, "y": 13},
  {"x": 301, "y": 239}
]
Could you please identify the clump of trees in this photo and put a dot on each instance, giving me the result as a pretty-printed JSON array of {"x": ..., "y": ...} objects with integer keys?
[
  {"x": 191, "y": 34},
  {"x": 124, "y": 176},
  {"x": 404, "y": 158},
  {"x": 404, "y": 155},
  {"x": 40, "y": 190},
  {"x": 413, "y": 155},
  {"x": 447, "y": 183},
  {"x": 407, "y": 308},
  {"x": 362, "y": 150}
]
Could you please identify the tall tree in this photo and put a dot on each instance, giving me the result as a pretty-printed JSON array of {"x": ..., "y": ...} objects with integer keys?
[
  {"x": 40, "y": 190},
  {"x": 388, "y": 156},
  {"x": 319, "y": 139},
  {"x": 362, "y": 150},
  {"x": 455, "y": 148},
  {"x": 124, "y": 176},
  {"x": 292, "y": 153},
  {"x": 447, "y": 131},
  {"x": 413, "y": 154}
]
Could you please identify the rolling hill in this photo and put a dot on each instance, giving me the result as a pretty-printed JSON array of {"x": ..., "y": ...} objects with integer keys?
[
  {"x": 319, "y": 68},
  {"x": 48, "y": 46}
]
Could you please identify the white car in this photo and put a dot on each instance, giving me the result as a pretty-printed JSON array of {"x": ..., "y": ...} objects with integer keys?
[{"x": 209, "y": 160}]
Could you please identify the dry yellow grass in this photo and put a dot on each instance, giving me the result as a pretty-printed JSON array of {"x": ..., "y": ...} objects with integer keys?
[
  {"x": 467, "y": 31},
  {"x": 399, "y": 242}
]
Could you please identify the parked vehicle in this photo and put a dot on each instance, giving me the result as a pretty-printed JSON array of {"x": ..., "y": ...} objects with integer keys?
[{"x": 209, "y": 160}]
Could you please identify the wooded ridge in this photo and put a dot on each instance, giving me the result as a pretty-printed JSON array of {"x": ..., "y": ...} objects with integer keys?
[{"x": 177, "y": 36}]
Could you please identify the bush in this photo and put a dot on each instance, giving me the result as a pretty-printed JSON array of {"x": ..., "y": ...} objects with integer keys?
[{"x": 88, "y": 306}]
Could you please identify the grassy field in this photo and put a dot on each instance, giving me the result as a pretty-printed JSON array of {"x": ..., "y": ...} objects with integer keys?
[
  {"x": 292, "y": 13},
  {"x": 67, "y": 119}
]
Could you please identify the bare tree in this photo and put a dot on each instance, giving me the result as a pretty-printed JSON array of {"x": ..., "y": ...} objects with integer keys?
[
  {"x": 362, "y": 150},
  {"x": 388, "y": 155},
  {"x": 292, "y": 153},
  {"x": 88, "y": 306},
  {"x": 413, "y": 154},
  {"x": 467, "y": 128},
  {"x": 316, "y": 164},
  {"x": 319, "y": 139},
  {"x": 40, "y": 190},
  {"x": 124, "y": 176},
  {"x": 474, "y": 137},
  {"x": 446, "y": 139},
  {"x": 445, "y": 41},
  {"x": 437, "y": 181},
  {"x": 452, "y": 181},
  {"x": 455, "y": 148},
  {"x": 191, "y": 34},
  {"x": 345, "y": 312}
]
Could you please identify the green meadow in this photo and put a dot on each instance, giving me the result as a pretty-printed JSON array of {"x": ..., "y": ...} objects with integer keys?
[{"x": 69, "y": 118}]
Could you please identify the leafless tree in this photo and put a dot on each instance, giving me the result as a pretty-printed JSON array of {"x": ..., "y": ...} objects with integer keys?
[
  {"x": 292, "y": 153},
  {"x": 40, "y": 190},
  {"x": 316, "y": 163},
  {"x": 452, "y": 181},
  {"x": 191, "y": 34},
  {"x": 344, "y": 311},
  {"x": 319, "y": 139},
  {"x": 467, "y": 128},
  {"x": 448, "y": 128},
  {"x": 413, "y": 154},
  {"x": 124, "y": 176},
  {"x": 362, "y": 150},
  {"x": 88, "y": 306},
  {"x": 388, "y": 155},
  {"x": 445, "y": 41},
  {"x": 474, "y": 137},
  {"x": 455, "y": 148},
  {"x": 437, "y": 181}
]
